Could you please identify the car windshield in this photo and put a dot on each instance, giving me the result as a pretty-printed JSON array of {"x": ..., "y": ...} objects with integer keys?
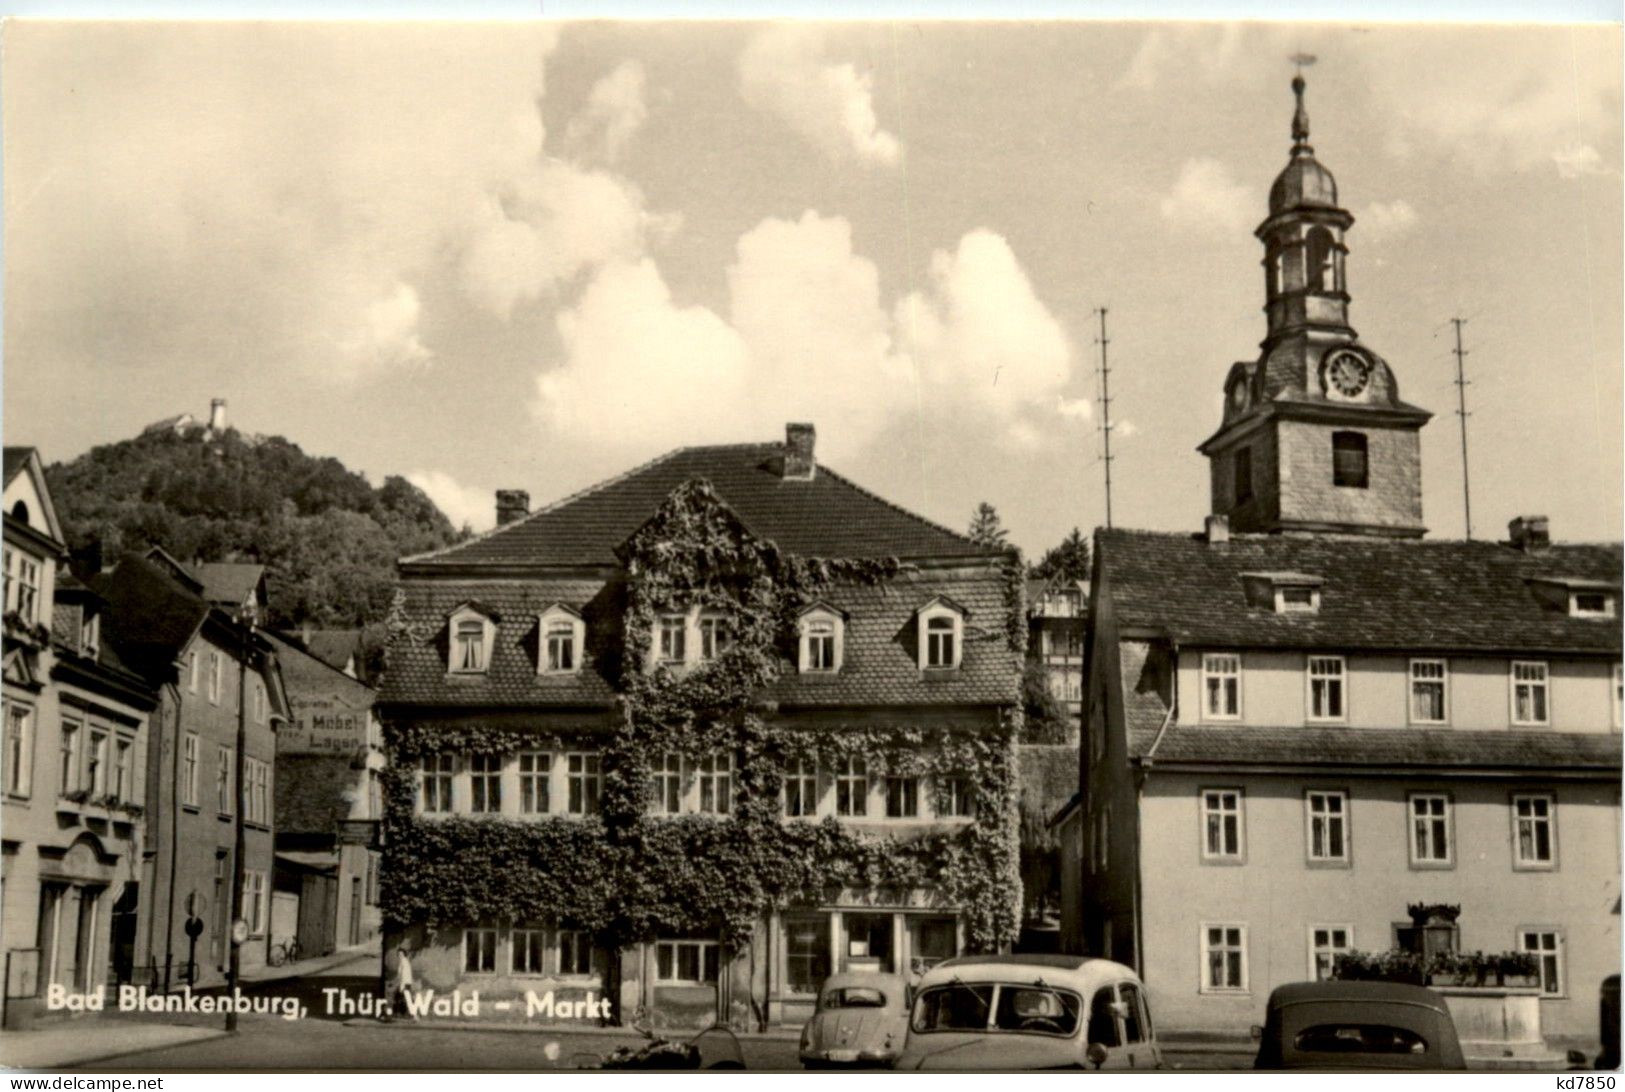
[
  {"x": 1359, "y": 1039},
  {"x": 1036, "y": 1009},
  {"x": 954, "y": 1007},
  {"x": 852, "y": 997}
]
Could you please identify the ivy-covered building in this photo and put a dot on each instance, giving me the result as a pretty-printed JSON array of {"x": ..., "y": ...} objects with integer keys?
[{"x": 699, "y": 736}]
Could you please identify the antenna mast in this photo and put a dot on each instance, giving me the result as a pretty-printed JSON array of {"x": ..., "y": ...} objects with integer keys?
[
  {"x": 1105, "y": 412},
  {"x": 1461, "y": 412}
]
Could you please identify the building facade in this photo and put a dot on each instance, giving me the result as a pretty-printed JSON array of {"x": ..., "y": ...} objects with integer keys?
[
  {"x": 76, "y": 723},
  {"x": 700, "y": 736},
  {"x": 1309, "y": 719},
  {"x": 214, "y": 674},
  {"x": 329, "y": 805}
]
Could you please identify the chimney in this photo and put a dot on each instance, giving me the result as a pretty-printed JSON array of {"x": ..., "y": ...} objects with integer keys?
[
  {"x": 1529, "y": 533},
  {"x": 217, "y": 415},
  {"x": 798, "y": 452},
  {"x": 512, "y": 504},
  {"x": 1218, "y": 529}
]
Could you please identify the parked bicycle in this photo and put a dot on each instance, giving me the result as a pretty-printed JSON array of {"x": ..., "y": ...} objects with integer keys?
[{"x": 284, "y": 951}]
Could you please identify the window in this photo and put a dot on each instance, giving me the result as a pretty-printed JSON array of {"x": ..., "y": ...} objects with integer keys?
[
  {"x": 217, "y": 668},
  {"x": 1321, "y": 261},
  {"x": 821, "y": 633},
  {"x": 96, "y": 765},
  {"x": 1529, "y": 692},
  {"x": 1349, "y": 464},
  {"x": 480, "y": 951},
  {"x": 673, "y": 638},
  {"x": 437, "y": 778},
  {"x": 27, "y": 588},
  {"x": 561, "y": 647},
  {"x": 255, "y": 905},
  {"x": 256, "y": 791},
  {"x": 801, "y": 787},
  {"x": 716, "y": 784},
  {"x": 69, "y": 765},
  {"x": 1224, "y": 958},
  {"x": 1036, "y": 1010},
  {"x": 1221, "y": 685},
  {"x": 1242, "y": 474},
  {"x": 1591, "y": 604},
  {"x": 189, "y": 761},
  {"x": 852, "y": 787},
  {"x": 191, "y": 671},
  {"x": 1328, "y": 826},
  {"x": 806, "y": 951},
  {"x": 259, "y": 700},
  {"x": 526, "y": 948},
  {"x": 668, "y": 784},
  {"x": 468, "y": 647},
  {"x": 1547, "y": 947},
  {"x": 19, "y": 748},
  {"x": 1429, "y": 692},
  {"x": 955, "y": 800},
  {"x": 714, "y": 637},
  {"x": 224, "y": 788},
  {"x": 1430, "y": 829},
  {"x": 939, "y": 638},
  {"x": 902, "y": 797},
  {"x": 686, "y": 961},
  {"x": 584, "y": 782},
  {"x": 1221, "y": 824},
  {"x": 90, "y": 633},
  {"x": 485, "y": 784},
  {"x": 1326, "y": 943},
  {"x": 1533, "y": 830},
  {"x": 535, "y": 775},
  {"x": 1136, "y": 1020},
  {"x": 563, "y": 640},
  {"x": 1326, "y": 688},
  {"x": 1296, "y": 597},
  {"x": 575, "y": 952}
]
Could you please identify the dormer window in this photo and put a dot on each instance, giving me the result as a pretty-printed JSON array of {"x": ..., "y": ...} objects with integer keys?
[
  {"x": 1578, "y": 597},
  {"x": 941, "y": 635},
  {"x": 1283, "y": 592},
  {"x": 90, "y": 634},
  {"x": 473, "y": 635},
  {"x": 822, "y": 632},
  {"x": 1591, "y": 604},
  {"x": 1296, "y": 598},
  {"x": 562, "y": 637}
]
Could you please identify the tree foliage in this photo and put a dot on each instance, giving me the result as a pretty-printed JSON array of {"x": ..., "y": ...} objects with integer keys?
[
  {"x": 328, "y": 539},
  {"x": 1068, "y": 560},
  {"x": 986, "y": 529}
]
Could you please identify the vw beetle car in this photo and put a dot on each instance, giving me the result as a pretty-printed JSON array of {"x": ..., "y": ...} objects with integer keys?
[
  {"x": 1357, "y": 1025},
  {"x": 861, "y": 1020},
  {"x": 1030, "y": 1012}
]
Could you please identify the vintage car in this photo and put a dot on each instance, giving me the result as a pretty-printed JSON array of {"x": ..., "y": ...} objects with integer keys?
[
  {"x": 1357, "y": 1025},
  {"x": 1030, "y": 1012},
  {"x": 861, "y": 1020}
]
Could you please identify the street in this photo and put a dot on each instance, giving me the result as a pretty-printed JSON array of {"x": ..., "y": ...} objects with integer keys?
[{"x": 328, "y": 1043}]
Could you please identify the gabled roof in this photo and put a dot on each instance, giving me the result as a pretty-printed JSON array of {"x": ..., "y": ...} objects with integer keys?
[
  {"x": 334, "y": 647},
  {"x": 150, "y": 617},
  {"x": 827, "y": 516},
  {"x": 231, "y": 583},
  {"x": 1377, "y": 593},
  {"x": 16, "y": 459}
]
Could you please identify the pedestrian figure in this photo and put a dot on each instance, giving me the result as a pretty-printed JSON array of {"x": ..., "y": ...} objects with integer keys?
[{"x": 405, "y": 985}]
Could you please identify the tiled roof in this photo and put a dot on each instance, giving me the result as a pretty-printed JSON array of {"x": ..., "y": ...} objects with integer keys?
[
  {"x": 16, "y": 458},
  {"x": 1381, "y": 748},
  {"x": 228, "y": 582},
  {"x": 828, "y": 516},
  {"x": 150, "y": 617},
  {"x": 879, "y": 664},
  {"x": 304, "y": 673},
  {"x": 1377, "y": 592}
]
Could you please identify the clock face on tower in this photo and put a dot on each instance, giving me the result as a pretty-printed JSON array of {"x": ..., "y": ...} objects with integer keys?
[{"x": 1345, "y": 373}]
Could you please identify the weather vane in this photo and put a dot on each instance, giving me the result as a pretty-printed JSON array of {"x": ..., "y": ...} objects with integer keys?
[{"x": 1303, "y": 61}]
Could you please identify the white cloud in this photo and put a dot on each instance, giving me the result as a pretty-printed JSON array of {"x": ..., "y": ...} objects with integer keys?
[
  {"x": 810, "y": 338},
  {"x": 1125, "y": 429},
  {"x": 462, "y": 504},
  {"x": 1576, "y": 160},
  {"x": 783, "y": 71},
  {"x": 1207, "y": 51},
  {"x": 1079, "y": 409},
  {"x": 614, "y": 112},
  {"x": 387, "y": 333},
  {"x": 1387, "y": 219},
  {"x": 1207, "y": 197}
]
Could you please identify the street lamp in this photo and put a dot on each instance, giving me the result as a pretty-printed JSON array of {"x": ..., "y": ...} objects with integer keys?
[{"x": 245, "y": 619}]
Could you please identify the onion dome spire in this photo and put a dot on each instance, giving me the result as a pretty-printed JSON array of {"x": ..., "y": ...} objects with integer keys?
[{"x": 1300, "y": 116}]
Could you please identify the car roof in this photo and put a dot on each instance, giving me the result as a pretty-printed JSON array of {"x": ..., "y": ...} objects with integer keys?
[
  {"x": 1078, "y": 972},
  {"x": 1398, "y": 993},
  {"x": 865, "y": 979}
]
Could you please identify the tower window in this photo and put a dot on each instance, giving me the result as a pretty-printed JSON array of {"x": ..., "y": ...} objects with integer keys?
[
  {"x": 1244, "y": 474},
  {"x": 1349, "y": 464},
  {"x": 1322, "y": 261}
]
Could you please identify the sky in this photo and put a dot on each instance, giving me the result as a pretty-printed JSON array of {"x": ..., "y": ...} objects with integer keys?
[{"x": 527, "y": 255}]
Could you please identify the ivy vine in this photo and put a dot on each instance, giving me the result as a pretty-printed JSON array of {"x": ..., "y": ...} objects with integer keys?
[{"x": 627, "y": 876}]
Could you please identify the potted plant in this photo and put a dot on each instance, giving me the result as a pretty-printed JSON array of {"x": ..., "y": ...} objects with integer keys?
[{"x": 1517, "y": 969}]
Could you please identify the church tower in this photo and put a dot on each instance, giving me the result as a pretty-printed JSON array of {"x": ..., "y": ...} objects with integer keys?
[{"x": 1314, "y": 438}]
